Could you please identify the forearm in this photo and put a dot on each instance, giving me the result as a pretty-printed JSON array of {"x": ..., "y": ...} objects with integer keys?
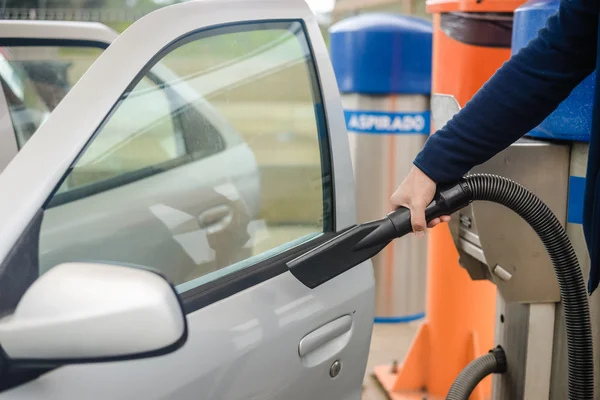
[{"x": 517, "y": 98}]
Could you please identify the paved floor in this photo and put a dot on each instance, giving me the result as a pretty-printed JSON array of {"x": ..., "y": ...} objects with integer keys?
[{"x": 389, "y": 343}]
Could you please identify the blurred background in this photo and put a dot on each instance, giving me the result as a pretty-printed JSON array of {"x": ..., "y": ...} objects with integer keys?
[{"x": 121, "y": 13}]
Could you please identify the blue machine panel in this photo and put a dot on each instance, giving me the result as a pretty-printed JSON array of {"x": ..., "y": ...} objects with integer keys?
[
  {"x": 572, "y": 120},
  {"x": 382, "y": 54},
  {"x": 576, "y": 197}
]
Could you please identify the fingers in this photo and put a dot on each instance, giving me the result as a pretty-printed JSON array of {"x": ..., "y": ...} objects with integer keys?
[
  {"x": 434, "y": 222},
  {"x": 417, "y": 218},
  {"x": 417, "y": 211},
  {"x": 446, "y": 218},
  {"x": 415, "y": 193}
]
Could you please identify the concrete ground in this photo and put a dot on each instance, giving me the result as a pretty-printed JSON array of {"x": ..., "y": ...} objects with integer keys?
[{"x": 389, "y": 343}]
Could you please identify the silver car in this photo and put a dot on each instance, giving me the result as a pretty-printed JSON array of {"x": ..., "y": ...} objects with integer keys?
[{"x": 148, "y": 211}]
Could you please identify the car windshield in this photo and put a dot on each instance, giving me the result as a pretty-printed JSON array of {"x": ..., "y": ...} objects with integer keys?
[{"x": 36, "y": 78}]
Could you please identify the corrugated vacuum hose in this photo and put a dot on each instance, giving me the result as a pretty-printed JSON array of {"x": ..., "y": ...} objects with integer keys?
[
  {"x": 573, "y": 290},
  {"x": 361, "y": 242},
  {"x": 492, "y": 363}
]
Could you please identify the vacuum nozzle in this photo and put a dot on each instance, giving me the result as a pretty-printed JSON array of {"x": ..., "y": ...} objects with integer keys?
[
  {"x": 447, "y": 200},
  {"x": 351, "y": 247}
]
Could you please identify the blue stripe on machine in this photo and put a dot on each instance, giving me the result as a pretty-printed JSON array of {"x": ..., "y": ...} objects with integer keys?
[
  {"x": 387, "y": 123},
  {"x": 576, "y": 192},
  {"x": 399, "y": 320}
]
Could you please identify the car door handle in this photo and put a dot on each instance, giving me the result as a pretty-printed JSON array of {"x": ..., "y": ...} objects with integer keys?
[
  {"x": 324, "y": 334},
  {"x": 216, "y": 219}
]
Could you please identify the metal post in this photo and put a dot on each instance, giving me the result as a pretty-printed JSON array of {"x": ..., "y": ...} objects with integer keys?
[{"x": 385, "y": 83}]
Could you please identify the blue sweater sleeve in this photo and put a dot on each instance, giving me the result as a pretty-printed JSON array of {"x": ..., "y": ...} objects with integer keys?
[{"x": 520, "y": 95}]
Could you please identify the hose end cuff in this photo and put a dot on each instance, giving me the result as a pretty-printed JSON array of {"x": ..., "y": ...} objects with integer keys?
[
  {"x": 466, "y": 189},
  {"x": 501, "y": 362}
]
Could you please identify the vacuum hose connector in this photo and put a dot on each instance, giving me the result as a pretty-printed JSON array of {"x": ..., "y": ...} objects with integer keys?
[
  {"x": 497, "y": 189},
  {"x": 492, "y": 363}
]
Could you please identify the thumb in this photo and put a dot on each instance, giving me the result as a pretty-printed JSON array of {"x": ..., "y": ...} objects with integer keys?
[{"x": 417, "y": 219}]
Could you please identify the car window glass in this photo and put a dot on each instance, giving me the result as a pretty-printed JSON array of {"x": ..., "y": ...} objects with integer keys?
[
  {"x": 214, "y": 159},
  {"x": 35, "y": 79},
  {"x": 140, "y": 134}
]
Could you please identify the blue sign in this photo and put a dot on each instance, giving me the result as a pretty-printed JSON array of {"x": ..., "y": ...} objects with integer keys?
[{"x": 386, "y": 123}]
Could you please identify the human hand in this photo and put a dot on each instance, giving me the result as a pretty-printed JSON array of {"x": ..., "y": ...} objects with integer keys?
[{"x": 415, "y": 193}]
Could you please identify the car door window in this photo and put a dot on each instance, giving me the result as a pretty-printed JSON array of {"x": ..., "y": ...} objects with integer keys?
[
  {"x": 34, "y": 79},
  {"x": 214, "y": 159},
  {"x": 146, "y": 133}
]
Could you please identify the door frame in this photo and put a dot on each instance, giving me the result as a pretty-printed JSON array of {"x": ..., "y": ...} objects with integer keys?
[{"x": 60, "y": 140}]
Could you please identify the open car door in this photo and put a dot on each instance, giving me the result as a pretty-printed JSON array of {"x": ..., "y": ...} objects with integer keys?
[{"x": 207, "y": 142}]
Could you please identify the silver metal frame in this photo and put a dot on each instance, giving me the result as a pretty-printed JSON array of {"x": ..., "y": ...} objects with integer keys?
[
  {"x": 497, "y": 245},
  {"x": 526, "y": 333}
]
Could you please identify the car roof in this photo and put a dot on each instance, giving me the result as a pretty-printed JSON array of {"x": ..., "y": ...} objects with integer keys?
[{"x": 95, "y": 33}]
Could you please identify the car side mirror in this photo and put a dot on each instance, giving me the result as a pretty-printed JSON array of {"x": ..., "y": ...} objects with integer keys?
[{"x": 83, "y": 312}]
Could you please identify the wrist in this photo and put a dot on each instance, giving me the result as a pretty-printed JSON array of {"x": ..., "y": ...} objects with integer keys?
[{"x": 417, "y": 166}]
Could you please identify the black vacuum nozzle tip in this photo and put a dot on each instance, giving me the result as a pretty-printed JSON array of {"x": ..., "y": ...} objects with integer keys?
[
  {"x": 383, "y": 233},
  {"x": 334, "y": 256}
]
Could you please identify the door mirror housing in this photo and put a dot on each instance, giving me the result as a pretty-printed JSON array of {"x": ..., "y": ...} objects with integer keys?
[{"x": 83, "y": 312}]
